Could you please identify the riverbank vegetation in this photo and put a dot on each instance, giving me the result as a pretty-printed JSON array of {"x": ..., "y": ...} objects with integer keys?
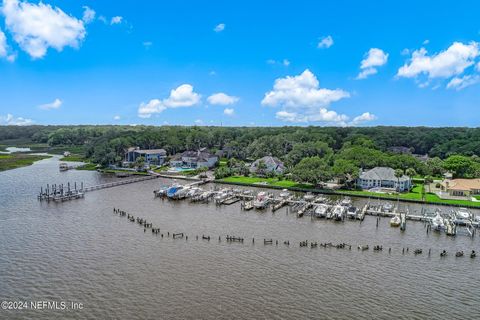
[
  {"x": 18, "y": 160},
  {"x": 310, "y": 154}
]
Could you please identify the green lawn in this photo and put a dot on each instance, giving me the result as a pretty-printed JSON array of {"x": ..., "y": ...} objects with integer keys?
[
  {"x": 267, "y": 181},
  {"x": 74, "y": 158},
  {"x": 88, "y": 166},
  {"x": 414, "y": 194},
  {"x": 17, "y": 160}
]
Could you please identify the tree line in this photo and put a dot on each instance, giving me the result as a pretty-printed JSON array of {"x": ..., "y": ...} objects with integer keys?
[{"x": 309, "y": 153}]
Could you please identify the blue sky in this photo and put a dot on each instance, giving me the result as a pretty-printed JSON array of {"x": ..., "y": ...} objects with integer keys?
[{"x": 240, "y": 62}]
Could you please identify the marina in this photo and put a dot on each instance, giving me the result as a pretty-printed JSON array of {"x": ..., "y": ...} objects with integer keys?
[
  {"x": 338, "y": 256},
  {"x": 319, "y": 207}
]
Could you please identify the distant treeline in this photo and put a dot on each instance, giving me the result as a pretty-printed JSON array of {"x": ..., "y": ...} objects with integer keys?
[{"x": 362, "y": 147}]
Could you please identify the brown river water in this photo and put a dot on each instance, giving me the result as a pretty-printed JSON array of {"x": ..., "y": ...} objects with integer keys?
[{"x": 80, "y": 251}]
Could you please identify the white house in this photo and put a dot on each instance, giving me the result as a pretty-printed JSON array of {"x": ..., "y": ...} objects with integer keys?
[
  {"x": 194, "y": 159},
  {"x": 383, "y": 177},
  {"x": 272, "y": 165}
]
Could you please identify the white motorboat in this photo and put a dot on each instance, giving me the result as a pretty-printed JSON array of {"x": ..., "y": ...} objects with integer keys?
[
  {"x": 437, "y": 222},
  {"x": 181, "y": 193},
  {"x": 172, "y": 191},
  {"x": 462, "y": 216},
  {"x": 161, "y": 192},
  {"x": 193, "y": 192},
  {"x": 346, "y": 202},
  {"x": 387, "y": 207},
  {"x": 308, "y": 196},
  {"x": 321, "y": 210},
  {"x": 320, "y": 199},
  {"x": 395, "y": 221},
  {"x": 338, "y": 212},
  {"x": 261, "y": 201},
  {"x": 222, "y": 195},
  {"x": 285, "y": 194},
  {"x": 352, "y": 212}
]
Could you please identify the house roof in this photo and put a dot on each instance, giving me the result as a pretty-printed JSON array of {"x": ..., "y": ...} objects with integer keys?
[
  {"x": 153, "y": 151},
  {"x": 147, "y": 151},
  {"x": 382, "y": 173},
  {"x": 463, "y": 184},
  {"x": 199, "y": 156},
  {"x": 269, "y": 161}
]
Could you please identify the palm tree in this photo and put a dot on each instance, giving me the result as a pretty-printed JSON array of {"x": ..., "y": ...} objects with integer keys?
[
  {"x": 410, "y": 172},
  {"x": 427, "y": 181},
  {"x": 398, "y": 175}
]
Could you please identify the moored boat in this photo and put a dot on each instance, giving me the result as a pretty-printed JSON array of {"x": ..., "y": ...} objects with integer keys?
[
  {"x": 437, "y": 222},
  {"x": 395, "y": 221},
  {"x": 321, "y": 211},
  {"x": 352, "y": 212},
  {"x": 261, "y": 201},
  {"x": 338, "y": 212},
  {"x": 171, "y": 191}
]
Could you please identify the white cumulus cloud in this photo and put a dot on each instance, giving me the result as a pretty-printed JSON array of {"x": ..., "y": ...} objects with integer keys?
[
  {"x": 116, "y": 20},
  {"x": 373, "y": 58},
  {"x": 222, "y": 99},
  {"x": 88, "y": 15},
  {"x": 183, "y": 96},
  {"x": 228, "y": 111},
  {"x": 325, "y": 42},
  {"x": 10, "y": 120},
  {"x": 302, "y": 99},
  {"x": 153, "y": 106},
  {"x": 37, "y": 27},
  {"x": 219, "y": 27},
  {"x": 445, "y": 64},
  {"x": 116, "y": 118},
  {"x": 459, "y": 83},
  {"x": 365, "y": 117},
  {"x": 57, "y": 103}
]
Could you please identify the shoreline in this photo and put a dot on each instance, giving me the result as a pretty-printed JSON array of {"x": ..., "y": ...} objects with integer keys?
[
  {"x": 350, "y": 194},
  {"x": 20, "y": 160}
]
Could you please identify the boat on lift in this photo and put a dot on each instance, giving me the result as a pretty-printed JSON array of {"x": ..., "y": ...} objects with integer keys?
[
  {"x": 285, "y": 194},
  {"x": 321, "y": 211},
  {"x": 308, "y": 196},
  {"x": 346, "y": 202},
  {"x": 387, "y": 207},
  {"x": 338, "y": 212},
  {"x": 222, "y": 195},
  {"x": 194, "y": 191},
  {"x": 261, "y": 201},
  {"x": 352, "y": 212},
  {"x": 437, "y": 222},
  {"x": 462, "y": 216},
  {"x": 396, "y": 221},
  {"x": 173, "y": 190}
]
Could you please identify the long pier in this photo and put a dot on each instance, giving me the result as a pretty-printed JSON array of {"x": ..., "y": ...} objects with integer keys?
[
  {"x": 69, "y": 191},
  {"x": 118, "y": 183}
]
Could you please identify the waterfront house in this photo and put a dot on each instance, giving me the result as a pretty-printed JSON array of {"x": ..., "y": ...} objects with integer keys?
[
  {"x": 383, "y": 177},
  {"x": 461, "y": 187},
  {"x": 151, "y": 156},
  {"x": 194, "y": 159},
  {"x": 272, "y": 164}
]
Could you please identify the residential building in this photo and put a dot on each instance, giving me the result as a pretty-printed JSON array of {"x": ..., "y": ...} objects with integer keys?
[
  {"x": 461, "y": 187},
  {"x": 272, "y": 164},
  {"x": 194, "y": 159},
  {"x": 383, "y": 177},
  {"x": 151, "y": 156}
]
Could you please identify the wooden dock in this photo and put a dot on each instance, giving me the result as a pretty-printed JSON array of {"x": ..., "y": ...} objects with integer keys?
[{"x": 69, "y": 191}]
